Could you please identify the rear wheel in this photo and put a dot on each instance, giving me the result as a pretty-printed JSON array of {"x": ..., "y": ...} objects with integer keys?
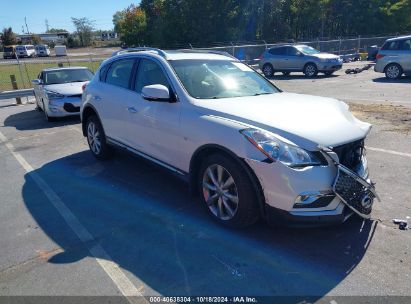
[
  {"x": 97, "y": 139},
  {"x": 310, "y": 70},
  {"x": 227, "y": 192},
  {"x": 268, "y": 70},
  {"x": 393, "y": 71}
]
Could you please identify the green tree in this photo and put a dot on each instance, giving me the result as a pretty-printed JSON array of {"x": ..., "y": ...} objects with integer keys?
[
  {"x": 8, "y": 37},
  {"x": 56, "y": 30},
  {"x": 132, "y": 25},
  {"x": 84, "y": 29}
]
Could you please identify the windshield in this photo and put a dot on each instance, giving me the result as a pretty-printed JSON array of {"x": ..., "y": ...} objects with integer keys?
[
  {"x": 8, "y": 49},
  {"x": 307, "y": 49},
  {"x": 66, "y": 76},
  {"x": 207, "y": 79}
]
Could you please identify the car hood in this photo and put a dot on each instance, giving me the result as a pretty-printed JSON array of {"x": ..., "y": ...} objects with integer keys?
[
  {"x": 307, "y": 121},
  {"x": 326, "y": 56},
  {"x": 68, "y": 89}
]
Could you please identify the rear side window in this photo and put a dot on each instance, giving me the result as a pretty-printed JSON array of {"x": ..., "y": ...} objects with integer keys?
[
  {"x": 149, "y": 73},
  {"x": 278, "y": 51},
  {"x": 120, "y": 72},
  {"x": 103, "y": 72},
  {"x": 406, "y": 45},
  {"x": 391, "y": 45}
]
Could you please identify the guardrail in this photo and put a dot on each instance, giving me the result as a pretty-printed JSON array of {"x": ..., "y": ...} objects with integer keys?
[{"x": 16, "y": 94}]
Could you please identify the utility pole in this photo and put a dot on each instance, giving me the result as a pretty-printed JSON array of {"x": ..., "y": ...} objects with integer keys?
[
  {"x": 22, "y": 29},
  {"x": 25, "y": 21},
  {"x": 47, "y": 26}
]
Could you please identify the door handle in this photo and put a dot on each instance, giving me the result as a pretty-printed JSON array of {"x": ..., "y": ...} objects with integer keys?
[
  {"x": 97, "y": 98},
  {"x": 132, "y": 110}
]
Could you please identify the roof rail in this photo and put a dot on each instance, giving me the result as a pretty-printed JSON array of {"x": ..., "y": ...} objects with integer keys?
[
  {"x": 140, "y": 49},
  {"x": 208, "y": 51}
]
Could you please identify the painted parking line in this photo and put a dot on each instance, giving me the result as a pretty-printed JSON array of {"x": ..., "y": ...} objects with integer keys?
[
  {"x": 126, "y": 287},
  {"x": 389, "y": 151}
]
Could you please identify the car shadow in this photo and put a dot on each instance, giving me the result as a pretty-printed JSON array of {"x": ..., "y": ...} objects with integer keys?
[
  {"x": 403, "y": 79},
  {"x": 146, "y": 221},
  {"x": 35, "y": 120}
]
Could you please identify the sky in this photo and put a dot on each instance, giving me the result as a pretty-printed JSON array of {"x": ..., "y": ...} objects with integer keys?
[{"x": 58, "y": 13}]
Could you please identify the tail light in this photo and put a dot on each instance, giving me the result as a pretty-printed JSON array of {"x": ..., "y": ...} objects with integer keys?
[
  {"x": 84, "y": 86},
  {"x": 379, "y": 56}
]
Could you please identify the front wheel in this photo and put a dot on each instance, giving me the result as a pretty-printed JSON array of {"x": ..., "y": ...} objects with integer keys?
[
  {"x": 393, "y": 71},
  {"x": 97, "y": 139},
  {"x": 310, "y": 70},
  {"x": 48, "y": 118},
  {"x": 228, "y": 192}
]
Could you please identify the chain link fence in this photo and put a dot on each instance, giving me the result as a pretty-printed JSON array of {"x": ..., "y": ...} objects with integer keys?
[{"x": 27, "y": 69}]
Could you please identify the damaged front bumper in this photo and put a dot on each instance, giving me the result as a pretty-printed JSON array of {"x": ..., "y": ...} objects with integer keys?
[{"x": 355, "y": 192}]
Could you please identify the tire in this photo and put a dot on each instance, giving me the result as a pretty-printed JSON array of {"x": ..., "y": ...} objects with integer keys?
[
  {"x": 48, "y": 118},
  {"x": 96, "y": 139},
  {"x": 268, "y": 70},
  {"x": 233, "y": 201},
  {"x": 310, "y": 70},
  {"x": 393, "y": 71},
  {"x": 38, "y": 108},
  {"x": 286, "y": 73},
  {"x": 328, "y": 73}
]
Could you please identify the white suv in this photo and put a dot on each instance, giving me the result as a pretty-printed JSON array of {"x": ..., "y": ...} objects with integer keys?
[{"x": 245, "y": 147}]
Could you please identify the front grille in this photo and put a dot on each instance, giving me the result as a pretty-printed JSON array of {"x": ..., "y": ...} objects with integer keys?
[
  {"x": 354, "y": 193},
  {"x": 350, "y": 155},
  {"x": 71, "y": 108}
]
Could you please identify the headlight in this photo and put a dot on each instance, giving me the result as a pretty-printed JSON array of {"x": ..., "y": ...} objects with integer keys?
[
  {"x": 277, "y": 150},
  {"x": 53, "y": 95}
]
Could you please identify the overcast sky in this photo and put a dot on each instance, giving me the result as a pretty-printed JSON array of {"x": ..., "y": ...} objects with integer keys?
[{"x": 58, "y": 13}]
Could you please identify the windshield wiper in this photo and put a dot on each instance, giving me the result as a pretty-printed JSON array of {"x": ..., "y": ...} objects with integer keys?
[{"x": 265, "y": 93}]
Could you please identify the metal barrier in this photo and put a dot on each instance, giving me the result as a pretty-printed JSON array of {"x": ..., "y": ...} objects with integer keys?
[{"x": 16, "y": 94}]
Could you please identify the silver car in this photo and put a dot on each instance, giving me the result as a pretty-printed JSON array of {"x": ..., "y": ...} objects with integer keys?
[
  {"x": 58, "y": 91},
  {"x": 298, "y": 58},
  {"x": 394, "y": 58}
]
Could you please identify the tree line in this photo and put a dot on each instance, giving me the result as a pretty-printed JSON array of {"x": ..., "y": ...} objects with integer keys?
[{"x": 172, "y": 22}]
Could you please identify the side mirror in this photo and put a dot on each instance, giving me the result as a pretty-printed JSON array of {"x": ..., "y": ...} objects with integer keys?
[
  {"x": 36, "y": 82},
  {"x": 156, "y": 92}
]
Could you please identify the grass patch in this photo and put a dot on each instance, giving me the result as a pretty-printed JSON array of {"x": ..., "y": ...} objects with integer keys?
[{"x": 29, "y": 71}]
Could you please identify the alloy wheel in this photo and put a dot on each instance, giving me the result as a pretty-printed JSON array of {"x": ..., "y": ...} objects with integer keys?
[
  {"x": 94, "y": 138},
  {"x": 393, "y": 72},
  {"x": 220, "y": 192}
]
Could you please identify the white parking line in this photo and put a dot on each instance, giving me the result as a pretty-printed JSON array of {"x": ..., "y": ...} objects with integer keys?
[
  {"x": 113, "y": 270},
  {"x": 389, "y": 151}
]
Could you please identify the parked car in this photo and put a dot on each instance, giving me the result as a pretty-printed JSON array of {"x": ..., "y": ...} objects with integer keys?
[
  {"x": 25, "y": 51},
  {"x": 60, "y": 50},
  {"x": 58, "y": 91},
  {"x": 298, "y": 58},
  {"x": 394, "y": 58},
  {"x": 247, "y": 148},
  {"x": 9, "y": 52},
  {"x": 42, "y": 50}
]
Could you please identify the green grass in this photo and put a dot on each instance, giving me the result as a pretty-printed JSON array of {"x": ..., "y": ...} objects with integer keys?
[{"x": 29, "y": 71}]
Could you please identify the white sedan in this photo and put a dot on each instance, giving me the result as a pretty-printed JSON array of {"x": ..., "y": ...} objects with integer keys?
[{"x": 58, "y": 91}]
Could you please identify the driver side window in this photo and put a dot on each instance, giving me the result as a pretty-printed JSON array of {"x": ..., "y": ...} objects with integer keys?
[{"x": 149, "y": 73}]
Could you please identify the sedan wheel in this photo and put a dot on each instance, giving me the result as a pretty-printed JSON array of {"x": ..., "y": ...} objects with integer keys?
[{"x": 393, "y": 71}]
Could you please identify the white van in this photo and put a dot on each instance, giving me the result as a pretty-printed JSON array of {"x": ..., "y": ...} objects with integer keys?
[
  {"x": 60, "y": 50},
  {"x": 25, "y": 50},
  {"x": 42, "y": 50}
]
